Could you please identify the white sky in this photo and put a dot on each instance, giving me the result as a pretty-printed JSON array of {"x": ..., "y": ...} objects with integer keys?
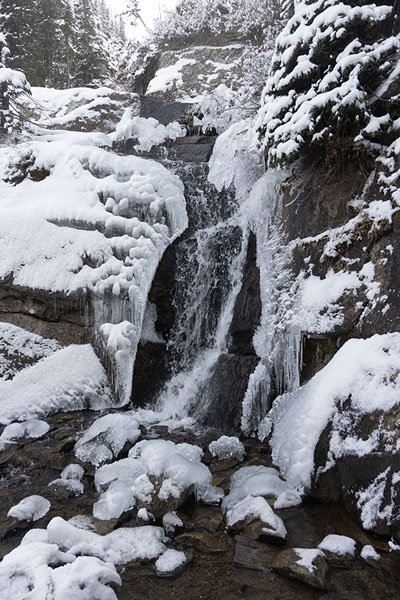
[{"x": 150, "y": 10}]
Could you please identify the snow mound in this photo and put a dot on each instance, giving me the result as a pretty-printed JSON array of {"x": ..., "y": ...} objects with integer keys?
[
  {"x": 33, "y": 428},
  {"x": 259, "y": 508},
  {"x": 106, "y": 437},
  {"x": 260, "y": 481},
  {"x": 131, "y": 481},
  {"x": 367, "y": 370},
  {"x": 119, "y": 547},
  {"x": 31, "y": 508},
  {"x": 170, "y": 561},
  {"x": 27, "y": 572},
  {"x": 368, "y": 552},
  {"x": 307, "y": 556},
  {"x": 227, "y": 447},
  {"x": 70, "y": 379},
  {"x": 338, "y": 544}
]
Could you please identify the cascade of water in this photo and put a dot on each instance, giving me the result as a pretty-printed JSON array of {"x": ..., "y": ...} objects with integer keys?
[{"x": 209, "y": 272}]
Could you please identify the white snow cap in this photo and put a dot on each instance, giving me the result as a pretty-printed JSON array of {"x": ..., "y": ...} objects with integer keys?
[{"x": 338, "y": 544}]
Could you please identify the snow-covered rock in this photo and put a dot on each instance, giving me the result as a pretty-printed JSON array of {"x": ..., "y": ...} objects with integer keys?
[
  {"x": 157, "y": 475},
  {"x": 303, "y": 564},
  {"x": 69, "y": 482},
  {"x": 33, "y": 428},
  {"x": 29, "y": 509},
  {"x": 106, "y": 437}
]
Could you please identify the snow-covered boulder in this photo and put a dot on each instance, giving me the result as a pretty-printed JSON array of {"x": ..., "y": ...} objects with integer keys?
[{"x": 29, "y": 509}]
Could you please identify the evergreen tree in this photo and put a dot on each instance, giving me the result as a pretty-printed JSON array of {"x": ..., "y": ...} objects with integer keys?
[
  {"x": 332, "y": 67},
  {"x": 89, "y": 61},
  {"x": 13, "y": 85}
]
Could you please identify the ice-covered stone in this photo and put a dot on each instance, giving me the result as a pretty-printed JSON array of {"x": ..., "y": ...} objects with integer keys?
[
  {"x": 227, "y": 447},
  {"x": 170, "y": 561},
  {"x": 32, "y": 428}
]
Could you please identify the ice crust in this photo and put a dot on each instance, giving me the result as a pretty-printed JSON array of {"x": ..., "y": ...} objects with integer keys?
[{"x": 148, "y": 132}]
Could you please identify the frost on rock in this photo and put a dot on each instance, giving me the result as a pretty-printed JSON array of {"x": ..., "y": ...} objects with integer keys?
[
  {"x": 106, "y": 437},
  {"x": 33, "y": 428},
  {"x": 365, "y": 370},
  {"x": 227, "y": 447},
  {"x": 96, "y": 226},
  {"x": 338, "y": 544},
  {"x": 156, "y": 473},
  {"x": 29, "y": 571},
  {"x": 170, "y": 522},
  {"x": 69, "y": 379},
  {"x": 147, "y": 132},
  {"x": 29, "y": 509}
]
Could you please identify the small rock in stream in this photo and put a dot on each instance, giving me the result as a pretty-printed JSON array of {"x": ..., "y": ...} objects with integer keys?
[{"x": 303, "y": 564}]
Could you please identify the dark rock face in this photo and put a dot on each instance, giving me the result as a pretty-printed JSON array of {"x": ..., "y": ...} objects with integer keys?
[
  {"x": 247, "y": 311},
  {"x": 165, "y": 112},
  {"x": 68, "y": 319},
  {"x": 225, "y": 390},
  {"x": 287, "y": 563}
]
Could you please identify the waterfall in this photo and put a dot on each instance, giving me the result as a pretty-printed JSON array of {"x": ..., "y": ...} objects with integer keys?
[{"x": 209, "y": 273}]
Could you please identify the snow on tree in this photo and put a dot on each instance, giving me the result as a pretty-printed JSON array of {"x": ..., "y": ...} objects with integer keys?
[
  {"x": 13, "y": 85},
  {"x": 333, "y": 66}
]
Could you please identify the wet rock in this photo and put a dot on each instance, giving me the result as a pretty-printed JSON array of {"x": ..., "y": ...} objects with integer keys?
[
  {"x": 255, "y": 529},
  {"x": 204, "y": 542},
  {"x": 314, "y": 571},
  {"x": 164, "y": 112},
  {"x": 247, "y": 311},
  {"x": 194, "y": 148},
  {"x": 226, "y": 389},
  {"x": 252, "y": 555}
]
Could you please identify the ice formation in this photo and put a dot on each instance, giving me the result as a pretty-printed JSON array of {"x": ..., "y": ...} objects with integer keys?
[
  {"x": 227, "y": 447},
  {"x": 31, "y": 508},
  {"x": 96, "y": 225},
  {"x": 367, "y": 370}
]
